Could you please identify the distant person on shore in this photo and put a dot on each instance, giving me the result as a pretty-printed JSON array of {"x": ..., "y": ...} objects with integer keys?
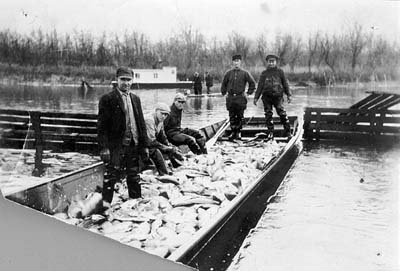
[
  {"x": 197, "y": 84},
  {"x": 271, "y": 87},
  {"x": 209, "y": 82},
  {"x": 182, "y": 136},
  {"x": 158, "y": 143},
  {"x": 234, "y": 84},
  {"x": 122, "y": 136}
]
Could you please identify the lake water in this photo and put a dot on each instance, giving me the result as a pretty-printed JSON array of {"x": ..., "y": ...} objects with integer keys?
[{"x": 338, "y": 208}]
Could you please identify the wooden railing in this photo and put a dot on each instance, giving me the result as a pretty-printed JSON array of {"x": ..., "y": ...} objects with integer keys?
[
  {"x": 48, "y": 130},
  {"x": 337, "y": 123}
]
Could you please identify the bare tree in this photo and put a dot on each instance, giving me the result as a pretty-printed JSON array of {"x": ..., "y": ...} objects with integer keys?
[
  {"x": 355, "y": 40},
  {"x": 312, "y": 49}
]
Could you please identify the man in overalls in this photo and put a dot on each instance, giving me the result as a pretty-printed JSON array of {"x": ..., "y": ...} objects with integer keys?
[{"x": 271, "y": 87}]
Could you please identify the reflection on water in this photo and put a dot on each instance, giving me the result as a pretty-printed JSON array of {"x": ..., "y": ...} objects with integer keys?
[
  {"x": 336, "y": 210},
  {"x": 198, "y": 111}
]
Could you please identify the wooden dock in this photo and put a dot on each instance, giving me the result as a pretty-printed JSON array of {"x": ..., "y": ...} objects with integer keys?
[{"x": 368, "y": 119}]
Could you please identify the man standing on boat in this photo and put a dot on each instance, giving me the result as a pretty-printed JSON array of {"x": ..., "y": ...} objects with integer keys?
[
  {"x": 271, "y": 87},
  {"x": 122, "y": 136},
  {"x": 234, "y": 84},
  {"x": 158, "y": 143},
  {"x": 183, "y": 136}
]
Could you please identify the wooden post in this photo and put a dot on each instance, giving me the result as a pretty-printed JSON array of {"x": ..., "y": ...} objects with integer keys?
[
  {"x": 39, "y": 168},
  {"x": 318, "y": 125}
]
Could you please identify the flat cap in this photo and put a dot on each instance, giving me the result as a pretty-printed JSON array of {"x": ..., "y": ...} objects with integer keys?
[
  {"x": 163, "y": 108},
  {"x": 180, "y": 97},
  {"x": 124, "y": 71},
  {"x": 234, "y": 57},
  {"x": 271, "y": 56}
]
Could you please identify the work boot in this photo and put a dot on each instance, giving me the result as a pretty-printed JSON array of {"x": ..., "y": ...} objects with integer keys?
[{"x": 233, "y": 135}]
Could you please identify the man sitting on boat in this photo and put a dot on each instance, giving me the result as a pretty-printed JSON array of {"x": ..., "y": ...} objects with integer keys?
[
  {"x": 182, "y": 136},
  {"x": 158, "y": 143}
]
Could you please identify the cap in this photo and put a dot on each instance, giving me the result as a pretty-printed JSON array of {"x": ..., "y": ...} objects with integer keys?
[
  {"x": 163, "y": 108},
  {"x": 234, "y": 57},
  {"x": 271, "y": 56},
  {"x": 124, "y": 71},
  {"x": 180, "y": 97}
]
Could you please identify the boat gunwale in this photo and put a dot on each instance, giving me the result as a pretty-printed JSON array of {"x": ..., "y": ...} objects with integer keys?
[{"x": 235, "y": 204}]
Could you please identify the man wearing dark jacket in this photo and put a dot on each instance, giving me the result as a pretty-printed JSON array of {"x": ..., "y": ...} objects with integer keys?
[
  {"x": 234, "y": 84},
  {"x": 182, "y": 136},
  {"x": 271, "y": 87},
  {"x": 197, "y": 84},
  {"x": 122, "y": 136}
]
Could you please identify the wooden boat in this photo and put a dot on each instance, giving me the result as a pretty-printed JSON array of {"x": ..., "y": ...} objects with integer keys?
[
  {"x": 212, "y": 246},
  {"x": 204, "y": 95}
]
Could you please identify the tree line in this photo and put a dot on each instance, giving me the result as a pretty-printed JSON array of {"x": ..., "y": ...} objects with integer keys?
[{"x": 356, "y": 54}]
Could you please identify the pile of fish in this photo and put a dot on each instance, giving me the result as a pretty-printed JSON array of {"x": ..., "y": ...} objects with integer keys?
[{"x": 174, "y": 208}]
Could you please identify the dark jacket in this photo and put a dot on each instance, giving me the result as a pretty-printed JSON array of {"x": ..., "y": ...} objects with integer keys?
[
  {"x": 235, "y": 80},
  {"x": 234, "y": 84},
  {"x": 172, "y": 124},
  {"x": 111, "y": 122},
  {"x": 272, "y": 83},
  {"x": 197, "y": 83},
  {"x": 209, "y": 80}
]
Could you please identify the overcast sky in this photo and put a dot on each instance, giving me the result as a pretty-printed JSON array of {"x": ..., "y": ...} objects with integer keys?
[{"x": 158, "y": 18}]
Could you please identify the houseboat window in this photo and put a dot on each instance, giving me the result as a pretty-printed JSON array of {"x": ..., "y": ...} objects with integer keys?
[
  {"x": 137, "y": 75},
  {"x": 155, "y": 75}
]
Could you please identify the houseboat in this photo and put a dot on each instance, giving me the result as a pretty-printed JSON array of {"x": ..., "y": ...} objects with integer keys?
[{"x": 164, "y": 77}]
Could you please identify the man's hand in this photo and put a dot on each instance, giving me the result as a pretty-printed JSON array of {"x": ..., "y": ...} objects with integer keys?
[
  {"x": 255, "y": 102},
  {"x": 289, "y": 99},
  {"x": 105, "y": 155}
]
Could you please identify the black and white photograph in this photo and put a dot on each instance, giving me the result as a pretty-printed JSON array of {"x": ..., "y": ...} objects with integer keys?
[{"x": 209, "y": 135}]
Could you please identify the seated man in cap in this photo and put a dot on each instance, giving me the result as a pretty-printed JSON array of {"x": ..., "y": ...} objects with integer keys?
[
  {"x": 271, "y": 87},
  {"x": 182, "y": 136},
  {"x": 122, "y": 136},
  {"x": 158, "y": 143},
  {"x": 234, "y": 84}
]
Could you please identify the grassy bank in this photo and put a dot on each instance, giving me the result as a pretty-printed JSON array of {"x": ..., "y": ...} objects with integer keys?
[{"x": 64, "y": 74}]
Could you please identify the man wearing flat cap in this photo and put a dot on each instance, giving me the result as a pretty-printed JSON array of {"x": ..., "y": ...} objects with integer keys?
[
  {"x": 271, "y": 87},
  {"x": 158, "y": 142},
  {"x": 234, "y": 86},
  {"x": 122, "y": 136},
  {"x": 183, "y": 136}
]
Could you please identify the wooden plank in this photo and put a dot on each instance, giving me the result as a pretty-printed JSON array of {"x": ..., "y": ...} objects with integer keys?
[
  {"x": 393, "y": 101},
  {"x": 69, "y": 115},
  {"x": 75, "y": 137},
  {"x": 11, "y": 118},
  {"x": 373, "y": 103},
  {"x": 354, "y": 128},
  {"x": 328, "y": 111},
  {"x": 69, "y": 122},
  {"x": 14, "y": 112},
  {"x": 69, "y": 130},
  {"x": 365, "y": 100}
]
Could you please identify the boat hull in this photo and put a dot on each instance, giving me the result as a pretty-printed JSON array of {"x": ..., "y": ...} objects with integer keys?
[{"x": 161, "y": 85}]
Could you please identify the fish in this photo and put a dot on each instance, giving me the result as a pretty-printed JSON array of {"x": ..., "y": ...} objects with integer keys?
[
  {"x": 191, "y": 201},
  {"x": 79, "y": 208},
  {"x": 168, "y": 179}
]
